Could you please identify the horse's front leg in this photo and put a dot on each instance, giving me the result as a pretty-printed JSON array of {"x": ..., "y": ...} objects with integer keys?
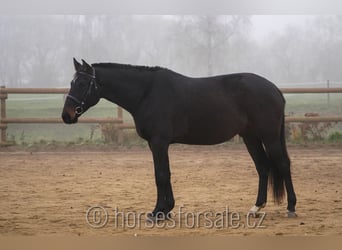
[{"x": 165, "y": 200}]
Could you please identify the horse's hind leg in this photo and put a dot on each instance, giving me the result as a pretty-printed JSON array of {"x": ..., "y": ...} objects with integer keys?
[
  {"x": 262, "y": 164},
  {"x": 280, "y": 160}
]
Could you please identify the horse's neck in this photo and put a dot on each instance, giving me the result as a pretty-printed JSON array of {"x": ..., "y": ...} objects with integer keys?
[{"x": 125, "y": 87}]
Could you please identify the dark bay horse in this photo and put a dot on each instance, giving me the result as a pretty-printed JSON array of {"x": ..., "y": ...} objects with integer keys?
[{"x": 168, "y": 107}]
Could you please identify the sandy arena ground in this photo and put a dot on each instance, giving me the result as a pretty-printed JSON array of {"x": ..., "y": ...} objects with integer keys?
[{"x": 49, "y": 193}]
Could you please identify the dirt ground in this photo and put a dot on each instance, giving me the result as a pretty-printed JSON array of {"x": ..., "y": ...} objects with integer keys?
[{"x": 56, "y": 193}]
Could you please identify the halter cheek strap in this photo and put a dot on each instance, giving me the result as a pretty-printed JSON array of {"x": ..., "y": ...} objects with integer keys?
[{"x": 80, "y": 108}]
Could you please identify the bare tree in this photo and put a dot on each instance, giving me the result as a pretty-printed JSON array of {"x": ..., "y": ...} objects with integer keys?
[
  {"x": 13, "y": 52},
  {"x": 207, "y": 35},
  {"x": 310, "y": 52},
  {"x": 326, "y": 34}
]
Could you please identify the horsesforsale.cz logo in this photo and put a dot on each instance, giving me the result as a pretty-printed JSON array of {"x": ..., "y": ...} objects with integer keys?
[{"x": 98, "y": 217}]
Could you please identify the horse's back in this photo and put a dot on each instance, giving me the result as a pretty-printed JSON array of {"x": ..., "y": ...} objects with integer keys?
[
  {"x": 212, "y": 110},
  {"x": 240, "y": 94}
]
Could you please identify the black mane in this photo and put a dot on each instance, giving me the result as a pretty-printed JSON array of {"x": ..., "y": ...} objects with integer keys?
[{"x": 126, "y": 66}]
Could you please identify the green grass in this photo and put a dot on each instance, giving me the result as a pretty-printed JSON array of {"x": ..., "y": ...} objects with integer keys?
[
  {"x": 299, "y": 104},
  {"x": 42, "y": 105},
  {"x": 34, "y": 105}
]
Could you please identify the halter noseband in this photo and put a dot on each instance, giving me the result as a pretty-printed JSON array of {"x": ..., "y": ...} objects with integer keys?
[{"x": 80, "y": 108}]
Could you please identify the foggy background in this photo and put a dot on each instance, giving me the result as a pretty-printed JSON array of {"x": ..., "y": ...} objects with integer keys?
[{"x": 37, "y": 50}]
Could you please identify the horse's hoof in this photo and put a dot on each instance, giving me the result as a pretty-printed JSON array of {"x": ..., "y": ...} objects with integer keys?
[
  {"x": 291, "y": 214},
  {"x": 254, "y": 211},
  {"x": 151, "y": 218}
]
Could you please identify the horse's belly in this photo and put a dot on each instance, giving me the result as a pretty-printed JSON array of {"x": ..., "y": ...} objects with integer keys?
[
  {"x": 203, "y": 140},
  {"x": 209, "y": 133}
]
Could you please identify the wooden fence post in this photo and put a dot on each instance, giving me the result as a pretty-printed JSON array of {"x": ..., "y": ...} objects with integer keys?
[{"x": 3, "y": 125}]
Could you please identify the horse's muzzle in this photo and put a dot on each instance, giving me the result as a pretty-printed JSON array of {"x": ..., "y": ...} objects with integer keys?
[{"x": 68, "y": 119}]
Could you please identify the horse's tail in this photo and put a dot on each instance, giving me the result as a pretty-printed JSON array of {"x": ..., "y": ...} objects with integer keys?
[{"x": 276, "y": 179}]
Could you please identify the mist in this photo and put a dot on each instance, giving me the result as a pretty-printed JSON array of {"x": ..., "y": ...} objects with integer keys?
[{"x": 37, "y": 50}]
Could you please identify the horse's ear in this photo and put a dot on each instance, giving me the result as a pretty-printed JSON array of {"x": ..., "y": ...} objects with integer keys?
[
  {"x": 77, "y": 65},
  {"x": 86, "y": 67}
]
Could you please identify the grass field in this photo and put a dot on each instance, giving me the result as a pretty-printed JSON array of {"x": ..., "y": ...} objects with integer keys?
[
  {"x": 42, "y": 105},
  {"x": 299, "y": 104}
]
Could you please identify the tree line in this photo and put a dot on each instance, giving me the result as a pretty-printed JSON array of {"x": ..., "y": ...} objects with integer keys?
[{"x": 37, "y": 51}]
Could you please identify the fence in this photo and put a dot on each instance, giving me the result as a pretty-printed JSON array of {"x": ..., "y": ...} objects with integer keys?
[{"x": 4, "y": 120}]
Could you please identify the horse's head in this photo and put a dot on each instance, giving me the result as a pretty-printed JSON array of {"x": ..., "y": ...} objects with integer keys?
[{"x": 83, "y": 94}]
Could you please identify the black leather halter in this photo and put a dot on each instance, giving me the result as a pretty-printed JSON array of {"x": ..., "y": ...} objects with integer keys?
[{"x": 80, "y": 108}]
